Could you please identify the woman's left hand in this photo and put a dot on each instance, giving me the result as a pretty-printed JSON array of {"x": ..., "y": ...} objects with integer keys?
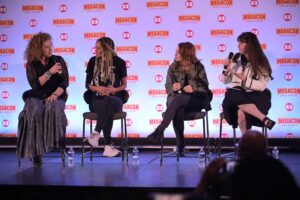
[
  {"x": 188, "y": 89},
  {"x": 51, "y": 99},
  {"x": 240, "y": 76},
  {"x": 112, "y": 89}
]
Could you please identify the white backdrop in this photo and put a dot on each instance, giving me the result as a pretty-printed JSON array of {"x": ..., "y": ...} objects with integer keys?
[{"x": 146, "y": 34}]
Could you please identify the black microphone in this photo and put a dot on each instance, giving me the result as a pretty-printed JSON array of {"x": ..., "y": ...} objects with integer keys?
[
  {"x": 60, "y": 72},
  {"x": 230, "y": 55},
  {"x": 174, "y": 80}
]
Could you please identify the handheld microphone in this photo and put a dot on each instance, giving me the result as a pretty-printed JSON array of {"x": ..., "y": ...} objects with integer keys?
[
  {"x": 174, "y": 80},
  {"x": 230, "y": 55},
  {"x": 60, "y": 72}
]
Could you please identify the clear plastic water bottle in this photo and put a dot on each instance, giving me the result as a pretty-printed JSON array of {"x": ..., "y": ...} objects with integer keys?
[
  {"x": 135, "y": 156},
  {"x": 201, "y": 158},
  {"x": 275, "y": 152},
  {"x": 71, "y": 157}
]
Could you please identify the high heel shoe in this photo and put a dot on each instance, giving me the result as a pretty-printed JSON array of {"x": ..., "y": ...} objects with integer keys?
[{"x": 270, "y": 123}]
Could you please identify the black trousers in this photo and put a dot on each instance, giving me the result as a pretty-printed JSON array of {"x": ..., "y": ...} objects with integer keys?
[
  {"x": 105, "y": 107},
  {"x": 178, "y": 105}
]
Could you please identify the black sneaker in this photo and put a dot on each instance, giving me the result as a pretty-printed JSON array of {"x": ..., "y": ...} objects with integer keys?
[
  {"x": 155, "y": 136},
  {"x": 37, "y": 161}
]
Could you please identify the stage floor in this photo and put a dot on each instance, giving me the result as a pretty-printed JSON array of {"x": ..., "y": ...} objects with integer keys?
[{"x": 112, "y": 173}]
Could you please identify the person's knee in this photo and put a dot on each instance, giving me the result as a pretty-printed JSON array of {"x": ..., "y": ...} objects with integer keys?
[{"x": 241, "y": 116}]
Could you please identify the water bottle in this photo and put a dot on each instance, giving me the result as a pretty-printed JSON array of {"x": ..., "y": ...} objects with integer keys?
[
  {"x": 201, "y": 158},
  {"x": 135, "y": 156},
  {"x": 275, "y": 152},
  {"x": 71, "y": 157}
]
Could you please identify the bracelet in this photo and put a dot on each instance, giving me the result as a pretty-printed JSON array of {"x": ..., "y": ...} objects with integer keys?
[
  {"x": 48, "y": 74},
  {"x": 54, "y": 95}
]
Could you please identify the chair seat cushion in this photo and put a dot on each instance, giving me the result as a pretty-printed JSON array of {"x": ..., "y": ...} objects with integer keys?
[
  {"x": 93, "y": 116},
  {"x": 192, "y": 115}
]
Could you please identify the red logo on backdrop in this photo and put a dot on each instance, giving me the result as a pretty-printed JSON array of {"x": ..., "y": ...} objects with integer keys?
[
  {"x": 3, "y": 9},
  {"x": 288, "y": 76},
  {"x": 189, "y": 4},
  {"x": 94, "y": 21},
  {"x": 93, "y": 50},
  {"x": 287, "y": 46},
  {"x": 63, "y": 36},
  {"x": 222, "y": 47},
  {"x": 5, "y": 94},
  {"x": 189, "y": 33},
  {"x": 289, "y": 135},
  {"x": 126, "y": 35},
  {"x": 159, "y": 107},
  {"x": 287, "y": 17},
  {"x": 159, "y": 78},
  {"x": 5, "y": 123},
  {"x": 128, "y": 63},
  {"x": 221, "y": 18},
  {"x": 157, "y": 19},
  {"x": 128, "y": 122},
  {"x": 289, "y": 106},
  {"x": 125, "y": 6},
  {"x": 158, "y": 49},
  {"x": 255, "y": 31},
  {"x": 192, "y": 123},
  {"x": 3, "y": 38},
  {"x": 254, "y": 3},
  {"x": 224, "y": 135},
  {"x": 4, "y": 66},
  {"x": 32, "y": 23},
  {"x": 63, "y": 8}
]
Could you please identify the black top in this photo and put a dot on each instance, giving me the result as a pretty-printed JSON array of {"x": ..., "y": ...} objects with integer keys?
[
  {"x": 120, "y": 71},
  {"x": 35, "y": 69}
]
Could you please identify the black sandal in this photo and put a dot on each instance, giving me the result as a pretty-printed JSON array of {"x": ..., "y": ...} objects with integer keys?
[{"x": 270, "y": 123}]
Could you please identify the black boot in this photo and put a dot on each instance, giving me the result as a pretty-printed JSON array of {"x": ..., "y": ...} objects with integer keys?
[
  {"x": 156, "y": 135},
  {"x": 180, "y": 151},
  {"x": 37, "y": 160}
]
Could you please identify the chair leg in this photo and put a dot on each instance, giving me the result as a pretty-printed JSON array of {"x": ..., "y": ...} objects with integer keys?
[
  {"x": 234, "y": 141},
  {"x": 126, "y": 141},
  {"x": 220, "y": 136},
  {"x": 83, "y": 137},
  {"x": 19, "y": 162},
  {"x": 122, "y": 140},
  {"x": 63, "y": 157},
  {"x": 161, "y": 149},
  {"x": 91, "y": 148},
  {"x": 204, "y": 137}
]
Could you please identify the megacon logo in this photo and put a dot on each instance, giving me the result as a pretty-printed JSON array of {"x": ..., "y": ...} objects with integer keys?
[
  {"x": 287, "y": 2},
  {"x": 254, "y": 3},
  {"x": 125, "y": 6},
  {"x": 197, "y": 47},
  {"x": 218, "y": 91},
  {"x": 221, "y": 32},
  {"x": 289, "y": 106},
  {"x": 289, "y": 135},
  {"x": 255, "y": 31},
  {"x": 157, "y": 93},
  {"x": 289, "y": 121},
  {"x": 72, "y": 79},
  {"x": 288, "y": 61},
  {"x": 71, "y": 135},
  {"x": 4, "y": 94},
  {"x": 131, "y": 107},
  {"x": 221, "y": 3},
  {"x": 63, "y": 36},
  {"x": 189, "y": 18},
  {"x": 158, "y": 78},
  {"x": 127, "y": 49},
  {"x": 6, "y": 23},
  {"x": 288, "y": 76},
  {"x": 192, "y": 123},
  {"x": 133, "y": 78},
  {"x": 287, "y": 31},
  {"x": 4, "y": 66},
  {"x": 158, "y": 34},
  {"x": 158, "y": 63},
  {"x": 5, "y": 123},
  {"x": 63, "y": 22},
  {"x": 159, "y": 107},
  {"x": 287, "y": 17},
  {"x": 126, "y": 35},
  {"x": 33, "y": 8},
  {"x": 7, "y": 108},
  {"x": 221, "y": 47},
  {"x": 189, "y": 4},
  {"x": 158, "y": 49},
  {"x": 70, "y": 107},
  {"x": 93, "y": 35},
  {"x": 27, "y": 36},
  {"x": 221, "y": 18},
  {"x": 154, "y": 122},
  {"x": 7, "y": 51},
  {"x": 157, "y": 4},
  {"x": 3, "y": 37},
  {"x": 3, "y": 9},
  {"x": 217, "y": 62},
  {"x": 128, "y": 63},
  {"x": 126, "y": 20},
  {"x": 94, "y": 21},
  {"x": 189, "y": 33},
  {"x": 32, "y": 23},
  {"x": 64, "y": 50},
  {"x": 288, "y": 91},
  {"x": 94, "y": 7},
  {"x": 263, "y": 46},
  {"x": 259, "y": 17},
  {"x": 157, "y": 19},
  {"x": 63, "y": 8},
  {"x": 287, "y": 46}
]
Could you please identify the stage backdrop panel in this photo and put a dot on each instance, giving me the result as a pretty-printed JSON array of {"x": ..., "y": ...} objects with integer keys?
[{"x": 146, "y": 34}]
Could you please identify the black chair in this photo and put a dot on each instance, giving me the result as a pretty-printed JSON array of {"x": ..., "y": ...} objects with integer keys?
[
  {"x": 258, "y": 124},
  {"x": 124, "y": 140}
]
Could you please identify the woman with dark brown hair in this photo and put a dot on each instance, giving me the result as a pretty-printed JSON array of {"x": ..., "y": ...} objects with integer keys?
[
  {"x": 248, "y": 101},
  {"x": 187, "y": 89},
  {"x": 42, "y": 123}
]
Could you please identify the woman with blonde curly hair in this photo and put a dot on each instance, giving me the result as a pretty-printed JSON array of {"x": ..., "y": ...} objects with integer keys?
[{"x": 42, "y": 123}]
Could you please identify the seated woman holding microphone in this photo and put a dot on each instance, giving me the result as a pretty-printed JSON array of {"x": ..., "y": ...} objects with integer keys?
[{"x": 249, "y": 71}]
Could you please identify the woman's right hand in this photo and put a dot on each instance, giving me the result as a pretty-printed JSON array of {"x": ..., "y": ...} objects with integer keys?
[
  {"x": 100, "y": 89},
  {"x": 227, "y": 63},
  {"x": 176, "y": 86},
  {"x": 55, "y": 68}
]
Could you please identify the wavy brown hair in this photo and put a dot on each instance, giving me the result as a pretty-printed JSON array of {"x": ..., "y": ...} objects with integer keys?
[
  {"x": 34, "y": 47},
  {"x": 187, "y": 52},
  {"x": 258, "y": 60}
]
